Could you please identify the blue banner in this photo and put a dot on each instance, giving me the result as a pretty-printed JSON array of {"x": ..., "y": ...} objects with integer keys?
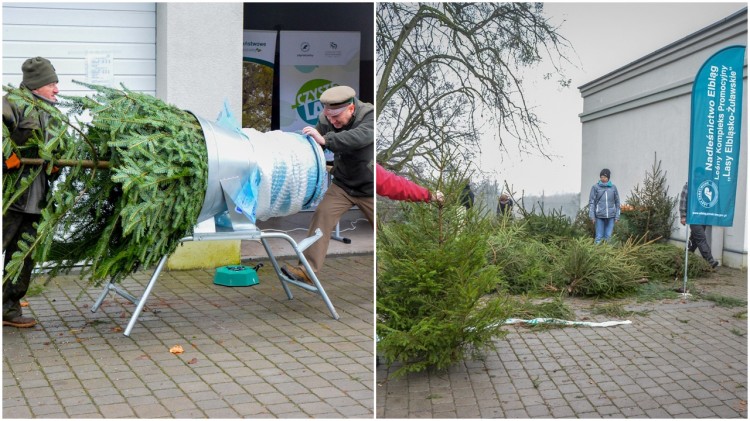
[{"x": 715, "y": 119}]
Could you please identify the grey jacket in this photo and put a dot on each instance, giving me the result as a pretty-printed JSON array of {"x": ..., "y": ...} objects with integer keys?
[
  {"x": 22, "y": 129},
  {"x": 352, "y": 150},
  {"x": 604, "y": 201}
]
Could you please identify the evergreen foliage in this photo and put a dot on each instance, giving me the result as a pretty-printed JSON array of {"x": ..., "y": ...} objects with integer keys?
[
  {"x": 584, "y": 224},
  {"x": 586, "y": 269},
  {"x": 664, "y": 261},
  {"x": 548, "y": 226},
  {"x": 524, "y": 262},
  {"x": 649, "y": 209},
  {"x": 119, "y": 219},
  {"x": 434, "y": 286}
]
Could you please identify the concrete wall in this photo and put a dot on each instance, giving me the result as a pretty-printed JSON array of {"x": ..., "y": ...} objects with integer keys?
[
  {"x": 198, "y": 67},
  {"x": 642, "y": 111},
  {"x": 199, "y": 56}
]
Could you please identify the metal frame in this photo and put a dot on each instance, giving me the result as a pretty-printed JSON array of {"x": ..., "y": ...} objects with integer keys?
[{"x": 232, "y": 235}]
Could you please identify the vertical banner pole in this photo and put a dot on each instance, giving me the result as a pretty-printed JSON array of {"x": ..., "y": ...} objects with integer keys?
[{"x": 685, "y": 278}]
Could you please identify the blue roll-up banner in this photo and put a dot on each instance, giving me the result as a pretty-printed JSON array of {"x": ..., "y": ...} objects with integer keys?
[{"x": 715, "y": 119}]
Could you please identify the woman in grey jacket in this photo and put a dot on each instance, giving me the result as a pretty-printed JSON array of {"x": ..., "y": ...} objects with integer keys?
[{"x": 604, "y": 206}]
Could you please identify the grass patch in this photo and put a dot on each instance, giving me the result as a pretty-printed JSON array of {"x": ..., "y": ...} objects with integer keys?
[
  {"x": 737, "y": 331},
  {"x": 723, "y": 300},
  {"x": 742, "y": 315},
  {"x": 616, "y": 311}
]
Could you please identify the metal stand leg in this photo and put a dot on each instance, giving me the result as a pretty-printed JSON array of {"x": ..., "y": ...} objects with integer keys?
[
  {"x": 144, "y": 297},
  {"x": 254, "y": 235},
  {"x": 318, "y": 286},
  {"x": 140, "y": 303},
  {"x": 277, "y": 268},
  {"x": 298, "y": 251},
  {"x": 337, "y": 236},
  {"x": 117, "y": 290}
]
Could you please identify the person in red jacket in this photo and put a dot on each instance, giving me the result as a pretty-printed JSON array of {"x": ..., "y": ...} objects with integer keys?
[{"x": 394, "y": 187}]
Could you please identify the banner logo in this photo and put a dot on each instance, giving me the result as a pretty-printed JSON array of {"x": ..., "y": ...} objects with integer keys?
[
  {"x": 308, "y": 99},
  {"x": 708, "y": 194},
  {"x": 304, "y": 47}
]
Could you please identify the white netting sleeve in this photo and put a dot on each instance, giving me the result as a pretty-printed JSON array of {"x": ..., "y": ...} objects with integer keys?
[{"x": 292, "y": 172}]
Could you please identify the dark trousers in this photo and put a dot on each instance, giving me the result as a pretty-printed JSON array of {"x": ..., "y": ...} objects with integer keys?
[
  {"x": 15, "y": 224},
  {"x": 698, "y": 240}
]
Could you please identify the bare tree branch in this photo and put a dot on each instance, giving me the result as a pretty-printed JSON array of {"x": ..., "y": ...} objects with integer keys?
[{"x": 451, "y": 72}]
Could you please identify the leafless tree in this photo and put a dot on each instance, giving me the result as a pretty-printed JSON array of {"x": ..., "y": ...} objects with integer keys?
[{"x": 450, "y": 72}]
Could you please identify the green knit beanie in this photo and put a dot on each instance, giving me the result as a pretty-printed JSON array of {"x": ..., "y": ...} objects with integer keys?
[{"x": 37, "y": 72}]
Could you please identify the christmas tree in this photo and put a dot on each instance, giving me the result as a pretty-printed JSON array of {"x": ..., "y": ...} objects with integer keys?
[
  {"x": 435, "y": 288},
  {"x": 132, "y": 186}
]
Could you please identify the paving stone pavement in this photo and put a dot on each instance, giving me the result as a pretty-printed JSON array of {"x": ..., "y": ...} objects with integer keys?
[
  {"x": 678, "y": 359},
  {"x": 248, "y": 351}
]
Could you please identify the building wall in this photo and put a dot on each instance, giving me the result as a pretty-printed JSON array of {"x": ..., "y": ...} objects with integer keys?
[
  {"x": 70, "y": 35},
  {"x": 641, "y": 113},
  {"x": 198, "y": 68},
  {"x": 199, "y": 56}
]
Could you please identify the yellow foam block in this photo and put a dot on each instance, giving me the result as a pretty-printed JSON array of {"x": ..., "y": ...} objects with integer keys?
[{"x": 205, "y": 255}]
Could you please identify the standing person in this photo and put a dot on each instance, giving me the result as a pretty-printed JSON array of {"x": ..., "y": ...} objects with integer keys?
[
  {"x": 40, "y": 78},
  {"x": 504, "y": 205},
  {"x": 697, "y": 232},
  {"x": 394, "y": 187},
  {"x": 467, "y": 196},
  {"x": 604, "y": 206},
  {"x": 346, "y": 127}
]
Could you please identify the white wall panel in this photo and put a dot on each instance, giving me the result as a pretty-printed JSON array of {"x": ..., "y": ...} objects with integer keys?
[
  {"x": 68, "y": 33},
  {"x": 42, "y": 33},
  {"x": 18, "y": 14}
]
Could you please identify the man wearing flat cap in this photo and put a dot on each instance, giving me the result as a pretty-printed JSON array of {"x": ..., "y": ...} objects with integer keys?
[
  {"x": 23, "y": 125},
  {"x": 346, "y": 127}
]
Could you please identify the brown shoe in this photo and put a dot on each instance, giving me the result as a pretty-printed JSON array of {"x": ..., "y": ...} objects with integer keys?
[
  {"x": 297, "y": 274},
  {"x": 20, "y": 322}
]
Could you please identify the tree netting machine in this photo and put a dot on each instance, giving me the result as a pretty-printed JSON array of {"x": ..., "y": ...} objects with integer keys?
[{"x": 251, "y": 176}]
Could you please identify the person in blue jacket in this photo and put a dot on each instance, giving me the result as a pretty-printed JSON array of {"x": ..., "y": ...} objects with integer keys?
[{"x": 604, "y": 206}]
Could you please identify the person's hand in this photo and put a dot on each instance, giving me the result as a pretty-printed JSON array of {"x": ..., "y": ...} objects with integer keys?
[
  {"x": 437, "y": 197},
  {"x": 310, "y": 131},
  {"x": 683, "y": 220},
  {"x": 12, "y": 163}
]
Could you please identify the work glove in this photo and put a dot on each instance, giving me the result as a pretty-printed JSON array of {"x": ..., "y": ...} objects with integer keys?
[{"x": 12, "y": 163}]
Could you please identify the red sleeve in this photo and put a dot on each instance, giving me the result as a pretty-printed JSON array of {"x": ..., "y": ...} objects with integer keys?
[{"x": 398, "y": 188}]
